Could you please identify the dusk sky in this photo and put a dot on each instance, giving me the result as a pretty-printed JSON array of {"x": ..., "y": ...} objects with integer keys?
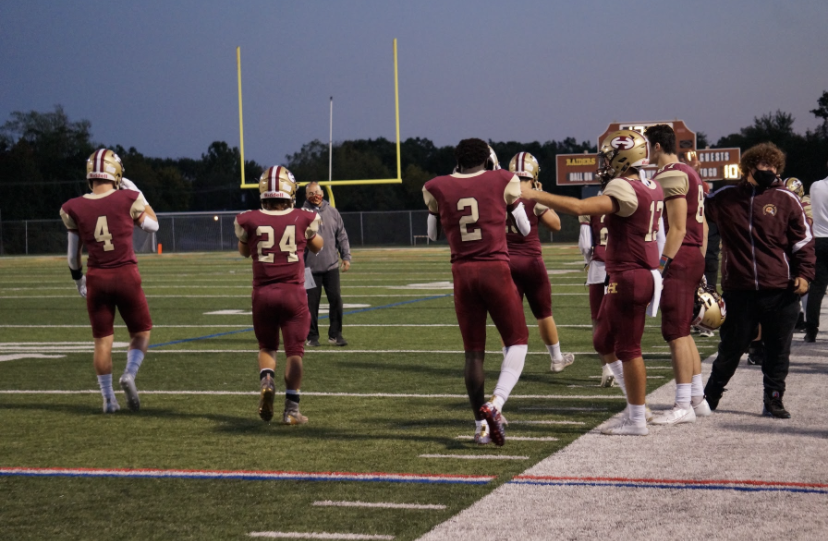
[{"x": 161, "y": 75}]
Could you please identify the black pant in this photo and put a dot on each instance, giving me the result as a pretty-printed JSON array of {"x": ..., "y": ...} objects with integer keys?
[
  {"x": 330, "y": 281},
  {"x": 711, "y": 258},
  {"x": 818, "y": 286},
  {"x": 777, "y": 311}
]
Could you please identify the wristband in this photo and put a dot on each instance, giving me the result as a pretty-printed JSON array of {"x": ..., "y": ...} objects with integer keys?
[
  {"x": 76, "y": 274},
  {"x": 663, "y": 263}
]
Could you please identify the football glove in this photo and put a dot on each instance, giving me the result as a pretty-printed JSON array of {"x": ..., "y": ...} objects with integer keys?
[{"x": 81, "y": 284}]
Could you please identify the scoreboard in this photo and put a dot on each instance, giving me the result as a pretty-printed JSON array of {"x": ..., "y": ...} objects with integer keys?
[{"x": 716, "y": 164}]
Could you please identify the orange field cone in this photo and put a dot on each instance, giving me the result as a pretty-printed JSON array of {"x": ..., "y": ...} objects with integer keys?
[{"x": 160, "y": 249}]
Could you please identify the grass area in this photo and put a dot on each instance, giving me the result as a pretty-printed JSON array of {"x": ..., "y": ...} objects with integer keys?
[{"x": 412, "y": 349}]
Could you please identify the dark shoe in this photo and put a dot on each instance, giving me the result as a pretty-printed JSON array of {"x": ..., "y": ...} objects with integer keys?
[
  {"x": 756, "y": 353},
  {"x": 774, "y": 407},
  {"x": 800, "y": 323},
  {"x": 810, "y": 335},
  {"x": 312, "y": 342},
  {"x": 713, "y": 397},
  {"x": 338, "y": 341}
]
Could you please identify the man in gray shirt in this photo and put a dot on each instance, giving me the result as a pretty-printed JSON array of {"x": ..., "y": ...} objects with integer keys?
[{"x": 325, "y": 266}]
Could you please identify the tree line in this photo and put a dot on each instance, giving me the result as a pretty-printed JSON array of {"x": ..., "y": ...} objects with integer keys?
[{"x": 43, "y": 159}]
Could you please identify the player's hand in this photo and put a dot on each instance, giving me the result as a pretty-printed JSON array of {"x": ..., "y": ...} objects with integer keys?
[
  {"x": 81, "y": 284},
  {"x": 345, "y": 265},
  {"x": 800, "y": 285}
]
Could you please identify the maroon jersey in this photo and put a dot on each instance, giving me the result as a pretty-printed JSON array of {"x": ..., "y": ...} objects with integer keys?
[
  {"x": 632, "y": 230},
  {"x": 681, "y": 180},
  {"x": 104, "y": 223},
  {"x": 277, "y": 240},
  {"x": 600, "y": 234},
  {"x": 529, "y": 245},
  {"x": 472, "y": 210}
]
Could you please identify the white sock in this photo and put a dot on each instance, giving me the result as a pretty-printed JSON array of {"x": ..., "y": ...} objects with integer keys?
[
  {"x": 555, "y": 351},
  {"x": 105, "y": 383},
  {"x": 498, "y": 402},
  {"x": 618, "y": 371},
  {"x": 636, "y": 414},
  {"x": 504, "y": 349},
  {"x": 134, "y": 359},
  {"x": 683, "y": 395},
  {"x": 697, "y": 389},
  {"x": 510, "y": 371}
]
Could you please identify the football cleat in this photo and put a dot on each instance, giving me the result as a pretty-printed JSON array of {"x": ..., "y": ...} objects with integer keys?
[
  {"x": 607, "y": 377},
  {"x": 266, "y": 398},
  {"x": 291, "y": 415},
  {"x": 481, "y": 434},
  {"x": 127, "y": 382},
  {"x": 675, "y": 416},
  {"x": 496, "y": 421},
  {"x": 566, "y": 360},
  {"x": 104, "y": 164},
  {"x": 110, "y": 405},
  {"x": 625, "y": 428},
  {"x": 702, "y": 409}
]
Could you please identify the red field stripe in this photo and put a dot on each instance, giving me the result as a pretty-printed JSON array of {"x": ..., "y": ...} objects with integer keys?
[{"x": 673, "y": 481}]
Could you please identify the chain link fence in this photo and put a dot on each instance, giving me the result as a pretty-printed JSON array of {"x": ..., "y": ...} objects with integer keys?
[{"x": 213, "y": 231}]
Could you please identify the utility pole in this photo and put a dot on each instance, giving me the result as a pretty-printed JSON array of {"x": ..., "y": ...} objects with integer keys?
[{"x": 330, "y": 146}]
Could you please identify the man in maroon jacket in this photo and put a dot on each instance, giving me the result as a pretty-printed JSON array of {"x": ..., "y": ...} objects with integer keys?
[{"x": 768, "y": 263}]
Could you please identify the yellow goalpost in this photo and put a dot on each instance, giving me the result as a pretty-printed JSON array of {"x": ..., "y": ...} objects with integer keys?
[{"x": 328, "y": 183}]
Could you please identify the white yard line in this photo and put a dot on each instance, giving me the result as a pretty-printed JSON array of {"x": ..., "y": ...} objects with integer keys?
[
  {"x": 381, "y": 505},
  {"x": 515, "y": 438},
  {"x": 479, "y": 457}
]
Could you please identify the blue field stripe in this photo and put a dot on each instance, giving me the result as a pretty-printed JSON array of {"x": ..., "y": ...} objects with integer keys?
[
  {"x": 674, "y": 486},
  {"x": 215, "y": 335}
]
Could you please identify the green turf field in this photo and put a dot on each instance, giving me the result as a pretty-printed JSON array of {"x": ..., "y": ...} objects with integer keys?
[{"x": 369, "y": 403}]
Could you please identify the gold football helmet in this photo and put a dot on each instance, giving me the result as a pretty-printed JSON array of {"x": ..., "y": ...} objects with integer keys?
[
  {"x": 492, "y": 163},
  {"x": 277, "y": 183},
  {"x": 104, "y": 164},
  {"x": 621, "y": 150},
  {"x": 525, "y": 165},
  {"x": 709, "y": 311},
  {"x": 794, "y": 185}
]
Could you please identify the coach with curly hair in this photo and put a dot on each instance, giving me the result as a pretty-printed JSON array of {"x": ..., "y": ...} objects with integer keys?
[{"x": 768, "y": 262}]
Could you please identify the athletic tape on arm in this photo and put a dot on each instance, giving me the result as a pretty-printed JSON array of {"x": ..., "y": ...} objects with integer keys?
[
  {"x": 72, "y": 252},
  {"x": 521, "y": 219},
  {"x": 149, "y": 225},
  {"x": 432, "y": 227}
]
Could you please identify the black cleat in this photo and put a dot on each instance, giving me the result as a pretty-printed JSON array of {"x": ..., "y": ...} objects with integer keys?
[
  {"x": 773, "y": 406},
  {"x": 756, "y": 354},
  {"x": 312, "y": 342},
  {"x": 338, "y": 341},
  {"x": 810, "y": 335}
]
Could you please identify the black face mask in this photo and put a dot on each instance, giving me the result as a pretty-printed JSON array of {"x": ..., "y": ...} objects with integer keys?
[{"x": 764, "y": 178}]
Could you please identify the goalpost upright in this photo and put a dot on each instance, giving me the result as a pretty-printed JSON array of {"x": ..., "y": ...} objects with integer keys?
[{"x": 329, "y": 183}]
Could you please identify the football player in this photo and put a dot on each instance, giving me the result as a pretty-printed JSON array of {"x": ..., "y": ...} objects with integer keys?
[
  {"x": 592, "y": 242},
  {"x": 526, "y": 261},
  {"x": 276, "y": 237},
  {"x": 682, "y": 268},
  {"x": 471, "y": 206},
  {"x": 103, "y": 221},
  {"x": 633, "y": 207}
]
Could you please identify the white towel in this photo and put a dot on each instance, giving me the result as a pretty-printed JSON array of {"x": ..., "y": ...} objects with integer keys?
[
  {"x": 309, "y": 282},
  {"x": 652, "y": 308}
]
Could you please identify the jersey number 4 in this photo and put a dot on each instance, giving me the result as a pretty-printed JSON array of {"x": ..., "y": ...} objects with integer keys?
[
  {"x": 287, "y": 244},
  {"x": 102, "y": 234},
  {"x": 465, "y": 221}
]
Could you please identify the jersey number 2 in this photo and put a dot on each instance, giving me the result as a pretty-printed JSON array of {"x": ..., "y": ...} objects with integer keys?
[
  {"x": 287, "y": 244},
  {"x": 471, "y": 219},
  {"x": 102, "y": 234}
]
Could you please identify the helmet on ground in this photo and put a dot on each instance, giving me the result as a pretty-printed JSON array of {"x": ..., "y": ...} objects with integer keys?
[
  {"x": 525, "y": 165},
  {"x": 794, "y": 185},
  {"x": 621, "y": 150},
  {"x": 492, "y": 164},
  {"x": 277, "y": 183},
  {"x": 104, "y": 164},
  {"x": 709, "y": 311}
]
